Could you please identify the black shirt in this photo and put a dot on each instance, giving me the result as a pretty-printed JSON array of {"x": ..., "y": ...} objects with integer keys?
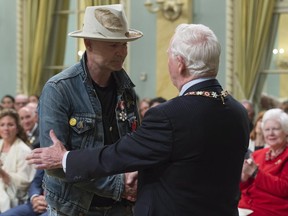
[{"x": 107, "y": 97}]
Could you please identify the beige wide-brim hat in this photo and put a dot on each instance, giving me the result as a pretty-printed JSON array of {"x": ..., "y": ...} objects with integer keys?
[{"x": 106, "y": 23}]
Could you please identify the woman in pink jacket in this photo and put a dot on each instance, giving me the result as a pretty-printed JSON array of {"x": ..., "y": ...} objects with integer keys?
[{"x": 264, "y": 180}]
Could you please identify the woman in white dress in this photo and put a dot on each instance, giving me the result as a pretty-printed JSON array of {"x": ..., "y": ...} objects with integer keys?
[{"x": 15, "y": 173}]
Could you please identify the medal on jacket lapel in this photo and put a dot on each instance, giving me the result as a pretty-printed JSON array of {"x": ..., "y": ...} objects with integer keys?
[{"x": 122, "y": 114}]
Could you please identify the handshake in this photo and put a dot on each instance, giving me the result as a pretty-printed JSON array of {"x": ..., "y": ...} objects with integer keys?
[{"x": 54, "y": 157}]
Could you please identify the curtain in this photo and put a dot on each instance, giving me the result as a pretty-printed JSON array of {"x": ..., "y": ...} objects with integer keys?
[
  {"x": 253, "y": 21},
  {"x": 261, "y": 77},
  {"x": 57, "y": 43},
  {"x": 41, "y": 41}
]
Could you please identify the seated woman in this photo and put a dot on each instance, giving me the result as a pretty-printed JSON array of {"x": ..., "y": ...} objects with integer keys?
[
  {"x": 36, "y": 204},
  {"x": 264, "y": 180},
  {"x": 144, "y": 105},
  {"x": 15, "y": 173},
  {"x": 256, "y": 136}
]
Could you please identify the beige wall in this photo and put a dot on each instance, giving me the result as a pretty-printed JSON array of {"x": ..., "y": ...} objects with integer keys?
[{"x": 165, "y": 30}]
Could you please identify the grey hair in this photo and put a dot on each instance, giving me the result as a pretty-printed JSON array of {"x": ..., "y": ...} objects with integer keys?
[
  {"x": 278, "y": 115},
  {"x": 199, "y": 47}
]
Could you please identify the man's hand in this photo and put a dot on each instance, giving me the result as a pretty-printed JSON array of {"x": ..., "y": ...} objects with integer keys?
[
  {"x": 48, "y": 157},
  {"x": 39, "y": 204},
  {"x": 130, "y": 192}
]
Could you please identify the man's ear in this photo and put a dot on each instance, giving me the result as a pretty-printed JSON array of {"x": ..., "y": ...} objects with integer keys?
[
  {"x": 181, "y": 65},
  {"x": 87, "y": 43}
]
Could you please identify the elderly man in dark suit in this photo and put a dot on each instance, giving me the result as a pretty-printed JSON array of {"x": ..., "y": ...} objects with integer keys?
[{"x": 189, "y": 150}]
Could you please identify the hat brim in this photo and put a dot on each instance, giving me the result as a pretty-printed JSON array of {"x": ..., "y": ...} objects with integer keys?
[{"x": 133, "y": 35}]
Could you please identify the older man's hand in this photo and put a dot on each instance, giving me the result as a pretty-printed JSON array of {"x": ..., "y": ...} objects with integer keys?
[
  {"x": 131, "y": 181},
  {"x": 48, "y": 157}
]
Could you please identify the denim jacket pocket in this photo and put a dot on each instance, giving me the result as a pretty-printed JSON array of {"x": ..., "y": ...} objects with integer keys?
[
  {"x": 82, "y": 123},
  {"x": 82, "y": 130}
]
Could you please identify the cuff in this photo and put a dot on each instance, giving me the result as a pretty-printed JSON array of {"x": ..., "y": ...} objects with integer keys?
[{"x": 64, "y": 161}]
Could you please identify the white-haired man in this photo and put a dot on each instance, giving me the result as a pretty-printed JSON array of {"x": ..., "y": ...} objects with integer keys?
[{"x": 188, "y": 151}]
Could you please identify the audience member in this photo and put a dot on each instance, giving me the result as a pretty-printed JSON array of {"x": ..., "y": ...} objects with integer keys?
[
  {"x": 36, "y": 204},
  {"x": 15, "y": 173},
  {"x": 20, "y": 101},
  {"x": 34, "y": 98},
  {"x": 251, "y": 112},
  {"x": 284, "y": 106},
  {"x": 7, "y": 101},
  {"x": 256, "y": 136},
  {"x": 33, "y": 106},
  {"x": 144, "y": 105},
  {"x": 264, "y": 178},
  {"x": 268, "y": 102},
  {"x": 92, "y": 102},
  {"x": 177, "y": 147},
  {"x": 156, "y": 101},
  {"x": 29, "y": 121}
]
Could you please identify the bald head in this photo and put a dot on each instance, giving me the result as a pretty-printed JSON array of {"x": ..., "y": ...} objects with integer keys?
[
  {"x": 28, "y": 117},
  {"x": 20, "y": 101}
]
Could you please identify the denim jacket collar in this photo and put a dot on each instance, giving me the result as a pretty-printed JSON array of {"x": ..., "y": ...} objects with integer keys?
[{"x": 121, "y": 78}]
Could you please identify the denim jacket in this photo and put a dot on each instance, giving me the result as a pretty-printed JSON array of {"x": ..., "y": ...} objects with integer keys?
[{"x": 69, "y": 105}]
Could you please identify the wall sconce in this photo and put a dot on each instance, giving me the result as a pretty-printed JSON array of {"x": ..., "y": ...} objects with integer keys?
[{"x": 171, "y": 9}]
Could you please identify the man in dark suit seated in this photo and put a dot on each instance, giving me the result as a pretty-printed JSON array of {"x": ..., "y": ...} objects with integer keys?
[
  {"x": 29, "y": 121},
  {"x": 36, "y": 205},
  {"x": 188, "y": 151}
]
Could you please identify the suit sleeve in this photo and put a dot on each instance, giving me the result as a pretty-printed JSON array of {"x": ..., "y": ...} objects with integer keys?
[
  {"x": 36, "y": 185},
  {"x": 150, "y": 145}
]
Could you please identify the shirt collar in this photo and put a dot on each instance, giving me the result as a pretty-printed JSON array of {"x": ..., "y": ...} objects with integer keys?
[
  {"x": 30, "y": 133},
  {"x": 193, "y": 82}
]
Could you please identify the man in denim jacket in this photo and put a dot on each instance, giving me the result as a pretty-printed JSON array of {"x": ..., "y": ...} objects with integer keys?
[{"x": 89, "y": 105}]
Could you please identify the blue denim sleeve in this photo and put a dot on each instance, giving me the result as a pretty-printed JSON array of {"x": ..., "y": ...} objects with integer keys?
[
  {"x": 53, "y": 114},
  {"x": 55, "y": 107}
]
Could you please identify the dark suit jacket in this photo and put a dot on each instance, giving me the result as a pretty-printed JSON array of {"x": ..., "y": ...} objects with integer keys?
[
  {"x": 36, "y": 184},
  {"x": 34, "y": 139},
  {"x": 189, "y": 153}
]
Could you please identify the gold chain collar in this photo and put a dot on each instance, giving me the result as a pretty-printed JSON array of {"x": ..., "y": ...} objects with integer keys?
[{"x": 210, "y": 94}]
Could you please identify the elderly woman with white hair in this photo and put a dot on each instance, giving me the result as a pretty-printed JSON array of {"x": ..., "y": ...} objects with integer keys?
[{"x": 264, "y": 180}]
